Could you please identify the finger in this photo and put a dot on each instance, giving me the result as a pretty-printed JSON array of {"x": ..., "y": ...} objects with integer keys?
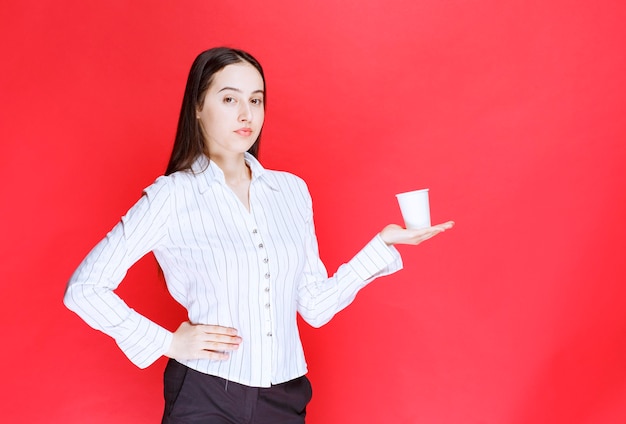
[
  {"x": 229, "y": 337},
  {"x": 445, "y": 225},
  {"x": 218, "y": 329},
  {"x": 420, "y": 232},
  {"x": 427, "y": 232},
  {"x": 436, "y": 229},
  {"x": 221, "y": 338},
  {"x": 218, "y": 346},
  {"x": 213, "y": 355},
  {"x": 425, "y": 235},
  {"x": 428, "y": 236}
]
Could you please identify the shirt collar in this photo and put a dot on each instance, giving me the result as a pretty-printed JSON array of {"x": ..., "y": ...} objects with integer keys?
[{"x": 209, "y": 173}]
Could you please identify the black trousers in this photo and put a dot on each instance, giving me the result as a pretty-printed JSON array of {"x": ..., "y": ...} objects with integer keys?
[{"x": 192, "y": 397}]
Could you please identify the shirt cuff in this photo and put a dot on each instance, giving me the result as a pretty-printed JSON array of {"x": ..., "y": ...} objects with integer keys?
[
  {"x": 376, "y": 259},
  {"x": 147, "y": 343}
]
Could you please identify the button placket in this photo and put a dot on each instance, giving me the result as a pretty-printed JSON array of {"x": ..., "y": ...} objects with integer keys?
[
  {"x": 265, "y": 297},
  {"x": 255, "y": 226}
]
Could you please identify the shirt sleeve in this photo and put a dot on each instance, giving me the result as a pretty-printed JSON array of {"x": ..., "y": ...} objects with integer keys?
[
  {"x": 90, "y": 291},
  {"x": 321, "y": 297}
]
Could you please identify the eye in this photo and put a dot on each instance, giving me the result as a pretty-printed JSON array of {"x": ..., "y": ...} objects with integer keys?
[
  {"x": 256, "y": 102},
  {"x": 229, "y": 99}
]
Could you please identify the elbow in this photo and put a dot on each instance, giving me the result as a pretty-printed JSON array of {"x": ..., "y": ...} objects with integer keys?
[
  {"x": 314, "y": 315},
  {"x": 68, "y": 300},
  {"x": 72, "y": 299},
  {"x": 317, "y": 321}
]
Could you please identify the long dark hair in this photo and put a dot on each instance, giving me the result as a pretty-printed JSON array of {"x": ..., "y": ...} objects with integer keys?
[{"x": 190, "y": 143}]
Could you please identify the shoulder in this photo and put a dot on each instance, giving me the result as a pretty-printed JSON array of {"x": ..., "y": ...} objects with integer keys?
[
  {"x": 160, "y": 187},
  {"x": 167, "y": 186},
  {"x": 285, "y": 180},
  {"x": 290, "y": 187},
  {"x": 169, "y": 183}
]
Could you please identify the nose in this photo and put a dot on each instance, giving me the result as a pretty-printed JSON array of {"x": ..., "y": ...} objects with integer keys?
[{"x": 245, "y": 112}]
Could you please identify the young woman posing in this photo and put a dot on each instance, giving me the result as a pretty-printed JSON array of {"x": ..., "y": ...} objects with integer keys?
[{"x": 238, "y": 250}]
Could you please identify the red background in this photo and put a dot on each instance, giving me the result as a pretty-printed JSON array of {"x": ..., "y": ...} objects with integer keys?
[{"x": 511, "y": 112}]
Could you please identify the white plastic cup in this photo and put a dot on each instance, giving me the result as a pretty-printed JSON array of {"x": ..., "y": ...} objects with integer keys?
[{"x": 415, "y": 208}]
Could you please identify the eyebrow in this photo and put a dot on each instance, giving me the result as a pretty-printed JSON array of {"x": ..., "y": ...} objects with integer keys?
[{"x": 239, "y": 91}]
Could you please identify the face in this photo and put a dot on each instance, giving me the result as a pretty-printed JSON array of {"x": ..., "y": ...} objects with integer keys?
[{"x": 233, "y": 112}]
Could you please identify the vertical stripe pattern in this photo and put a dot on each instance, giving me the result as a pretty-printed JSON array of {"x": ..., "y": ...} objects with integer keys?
[{"x": 251, "y": 270}]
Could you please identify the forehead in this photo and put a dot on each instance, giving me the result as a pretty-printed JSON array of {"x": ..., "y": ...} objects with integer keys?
[{"x": 241, "y": 76}]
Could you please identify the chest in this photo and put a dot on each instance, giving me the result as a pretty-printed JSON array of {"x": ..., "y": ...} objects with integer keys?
[{"x": 218, "y": 222}]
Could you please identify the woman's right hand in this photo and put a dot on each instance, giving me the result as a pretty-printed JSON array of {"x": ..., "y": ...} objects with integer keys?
[
  {"x": 197, "y": 341},
  {"x": 395, "y": 234}
]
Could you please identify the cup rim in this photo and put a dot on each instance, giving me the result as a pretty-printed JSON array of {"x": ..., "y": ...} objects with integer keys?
[{"x": 411, "y": 192}]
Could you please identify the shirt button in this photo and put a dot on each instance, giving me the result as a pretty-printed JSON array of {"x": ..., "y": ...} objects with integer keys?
[
  {"x": 254, "y": 231},
  {"x": 260, "y": 245},
  {"x": 267, "y": 275},
  {"x": 269, "y": 334},
  {"x": 265, "y": 260},
  {"x": 267, "y": 306},
  {"x": 267, "y": 289}
]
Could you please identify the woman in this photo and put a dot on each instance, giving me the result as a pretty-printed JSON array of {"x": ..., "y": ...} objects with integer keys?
[{"x": 237, "y": 247}]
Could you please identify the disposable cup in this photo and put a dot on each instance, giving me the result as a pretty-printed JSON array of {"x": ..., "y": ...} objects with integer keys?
[{"x": 415, "y": 208}]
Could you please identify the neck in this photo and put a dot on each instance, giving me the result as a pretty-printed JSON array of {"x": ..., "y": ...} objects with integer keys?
[{"x": 234, "y": 168}]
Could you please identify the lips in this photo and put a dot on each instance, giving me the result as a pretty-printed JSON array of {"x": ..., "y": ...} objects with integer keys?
[{"x": 245, "y": 132}]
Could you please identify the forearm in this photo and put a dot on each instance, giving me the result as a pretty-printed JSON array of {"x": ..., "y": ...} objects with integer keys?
[
  {"x": 321, "y": 299},
  {"x": 141, "y": 340}
]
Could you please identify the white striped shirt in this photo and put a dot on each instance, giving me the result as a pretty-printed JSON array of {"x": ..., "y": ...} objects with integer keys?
[{"x": 251, "y": 270}]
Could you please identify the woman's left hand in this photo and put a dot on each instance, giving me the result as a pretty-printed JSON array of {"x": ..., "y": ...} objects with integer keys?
[{"x": 395, "y": 234}]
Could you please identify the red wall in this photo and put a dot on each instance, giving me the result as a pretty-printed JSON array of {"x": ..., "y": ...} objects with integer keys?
[{"x": 511, "y": 112}]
